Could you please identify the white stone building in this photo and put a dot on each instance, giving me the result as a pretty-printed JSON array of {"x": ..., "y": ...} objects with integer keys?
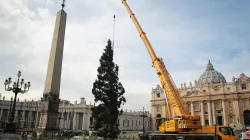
[
  {"x": 72, "y": 116},
  {"x": 211, "y": 97}
]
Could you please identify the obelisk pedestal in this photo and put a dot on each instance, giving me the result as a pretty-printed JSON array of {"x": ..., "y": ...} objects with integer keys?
[{"x": 50, "y": 100}]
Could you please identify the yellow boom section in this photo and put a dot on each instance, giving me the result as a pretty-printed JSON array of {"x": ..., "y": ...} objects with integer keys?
[{"x": 165, "y": 78}]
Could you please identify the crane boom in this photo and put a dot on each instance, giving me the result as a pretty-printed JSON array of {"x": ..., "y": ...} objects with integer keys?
[{"x": 165, "y": 78}]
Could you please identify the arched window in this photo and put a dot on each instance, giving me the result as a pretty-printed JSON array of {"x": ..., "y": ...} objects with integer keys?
[{"x": 158, "y": 116}]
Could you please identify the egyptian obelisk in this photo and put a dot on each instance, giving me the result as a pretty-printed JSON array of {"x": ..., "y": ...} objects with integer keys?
[{"x": 50, "y": 100}]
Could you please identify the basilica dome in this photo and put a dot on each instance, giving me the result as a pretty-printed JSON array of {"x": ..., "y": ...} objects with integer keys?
[{"x": 211, "y": 76}]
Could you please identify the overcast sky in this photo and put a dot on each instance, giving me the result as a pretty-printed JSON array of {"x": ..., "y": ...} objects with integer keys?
[{"x": 186, "y": 34}]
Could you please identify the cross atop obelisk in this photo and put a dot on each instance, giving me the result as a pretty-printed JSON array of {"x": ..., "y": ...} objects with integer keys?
[
  {"x": 63, "y": 5},
  {"x": 50, "y": 100}
]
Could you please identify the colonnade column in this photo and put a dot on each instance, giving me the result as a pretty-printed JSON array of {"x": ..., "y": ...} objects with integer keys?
[
  {"x": 83, "y": 122},
  {"x": 209, "y": 113},
  {"x": 74, "y": 121},
  {"x": 36, "y": 121},
  {"x": 23, "y": 118},
  {"x": 30, "y": 118},
  {"x": 16, "y": 116},
  {"x": 63, "y": 120},
  {"x": 202, "y": 113},
  {"x": 214, "y": 113},
  {"x": 1, "y": 114},
  {"x": 224, "y": 112},
  {"x": 88, "y": 120},
  {"x": 8, "y": 114},
  {"x": 67, "y": 124},
  {"x": 192, "y": 107}
]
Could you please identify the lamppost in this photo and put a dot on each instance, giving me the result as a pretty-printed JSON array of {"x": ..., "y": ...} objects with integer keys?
[
  {"x": 144, "y": 114},
  {"x": 18, "y": 87}
]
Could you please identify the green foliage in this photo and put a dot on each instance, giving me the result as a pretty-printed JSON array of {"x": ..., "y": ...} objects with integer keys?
[{"x": 108, "y": 92}]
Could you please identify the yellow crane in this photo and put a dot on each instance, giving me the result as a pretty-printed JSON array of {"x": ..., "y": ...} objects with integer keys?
[{"x": 183, "y": 124}]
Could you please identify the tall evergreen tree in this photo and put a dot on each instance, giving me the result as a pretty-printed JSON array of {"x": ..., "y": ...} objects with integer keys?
[{"x": 108, "y": 92}]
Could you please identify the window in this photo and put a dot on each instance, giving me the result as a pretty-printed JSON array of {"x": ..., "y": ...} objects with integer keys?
[
  {"x": 245, "y": 103},
  {"x": 196, "y": 106},
  {"x": 225, "y": 130},
  {"x": 158, "y": 95},
  {"x": 244, "y": 86},
  {"x": 158, "y": 108},
  {"x": 217, "y": 104},
  {"x": 205, "y": 106}
]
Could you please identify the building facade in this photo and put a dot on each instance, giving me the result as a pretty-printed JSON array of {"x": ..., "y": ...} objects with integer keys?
[
  {"x": 72, "y": 116},
  {"x": 212, "y": 97}
]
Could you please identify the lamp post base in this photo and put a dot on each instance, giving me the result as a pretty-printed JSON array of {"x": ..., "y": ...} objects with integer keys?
[{"x": 10, "y": 128}]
